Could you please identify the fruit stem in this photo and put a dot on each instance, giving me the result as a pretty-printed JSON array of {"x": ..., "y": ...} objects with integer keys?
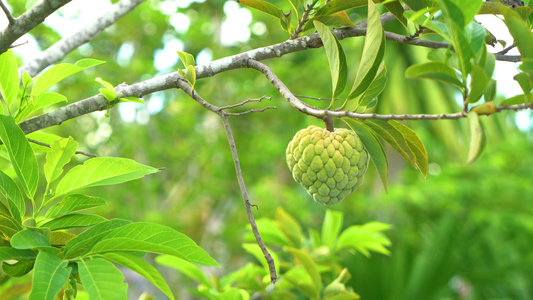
[{"x": 329, "y": 123}]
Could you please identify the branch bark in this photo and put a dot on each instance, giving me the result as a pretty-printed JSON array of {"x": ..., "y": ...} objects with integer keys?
[
  {"x": 60, "y": 49},
  {"x": 27, "y": 21}
]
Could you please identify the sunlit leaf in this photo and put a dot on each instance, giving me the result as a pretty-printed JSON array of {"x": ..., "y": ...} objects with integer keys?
[
  {"x": 60, "y": 154},
  {"x": 434, "y": 70},
  {"x": 263, "y": 6},
  {"x": 29, "y": 239},
  {"x": 36, "y": 103},
  {"x": 9, "y": 78},
  {"x": 187, "y": 268},
  {"x": 15, "y": 200},
  {"x": 376, "y": 87},
  {"x": 365, "y": 238},
  {"x": 74, "y": 203},
  {"x": 339, "y": 5},
  {"x": 331, "y": 227},
  {"x": 290, "y": 227},
  {"x": 415, "y": 145},
  {"x": 59, "y": 72},
  {"x": 73, "y": 220},
  {"x": 338, "y": 19},
  {"x": 309, "y": 265},
  {"x": 102, "y": 171},
  {"x": 9, "y": 226}
]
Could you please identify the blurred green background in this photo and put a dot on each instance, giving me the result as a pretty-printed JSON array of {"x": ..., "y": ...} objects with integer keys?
[{"x": 465, "y": 232}]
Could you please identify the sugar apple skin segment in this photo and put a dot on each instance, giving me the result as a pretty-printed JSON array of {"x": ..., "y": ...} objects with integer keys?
[{"x": 329, "y": 165}]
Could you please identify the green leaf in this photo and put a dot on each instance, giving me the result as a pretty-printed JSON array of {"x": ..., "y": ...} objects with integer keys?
[
  {"x": 187, "y": 268},
  {"x": 339, "y": 5},
  {"x": 415, "y": 145},
  {"x": 43, "y": 137},
  {"x": 338, "y": 19},
  {"x": 374, "y": 148},
  {"x": 49, "y": 276},
  {"x": 417, "y": 4},
  {"x": 263, "y": 6},
  {"x": 9, "y": 78},
  {"x": 365, "y": 238},
  {"x": 373, "y": 51},
  {"x": 29, "y": 239},
  {"x": 9, "y": 226},
  {"x": 477, "y": 137},
  {"x": 518, "y": 99},
  {"x": 8, "y": 253},
  {"x": 73, "y": 220},
  {"x": 131, "y": 99},
  {"x": 490, "y": 91},
  {"x": 396, "y": 8},
  {"x": 38, "y": 102},
  {"x": 309, "y": 265},
  {"x": 60, "y": 154},
  {"x": 108, "y": 91},
  {"x": 20, "y": 153},
  {"x": 59, "y": 72},
  {"x": 190, "y": 75},
  {"x": 102, "y": 280},
  {"x": 10, "y": 190},
  {"x": 376, "y": 87},
  {"x": 520, "y": 30},
  {"x": 285, "y": 21},
  {"x": 331, "y": 227},
  {"x": 74, "y": 203},
  {"x": 186, "y": 58},
  {"x": 149, "y": 237},
  {"x": 142, "y": 268},
  {"x": 436, "y": 71},
  {"x": 336, "y": 59},
  {"x": 254, "y": 250},
  {"x": 478, "y": 83},
  {"x": 18, "y": 269},
  {"x": 469, "y": 9},
  {"x": 92, "y": 235},
  {"x": 289, "y": 226},
  {"x": 102, "y": 171},
  {"x": 60, "y": 238}
]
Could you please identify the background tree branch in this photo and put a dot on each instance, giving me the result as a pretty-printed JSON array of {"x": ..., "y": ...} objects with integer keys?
[
  {"x": 63, "y": 47},
  {"x": 27, "y": 21}
]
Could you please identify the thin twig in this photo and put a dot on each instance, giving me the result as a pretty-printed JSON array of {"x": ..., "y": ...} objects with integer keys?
[
  {"x": 48, "y": 145},
  {"x": 302, "y": 22},
  {"x": 246, "y": 102},
  {"x": 8, "y": 13},
  {"x": 182, "y": 84},
  {"x": 504, "y": 51},
  {"x": 315, "y": 98},
  {"x": 250, "y": 111}
]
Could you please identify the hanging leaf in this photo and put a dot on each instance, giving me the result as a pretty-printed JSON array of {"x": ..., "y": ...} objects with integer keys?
[
  {"x": 436, "y": 71},
  {"x": 102, "y": 280},
  {"x": 339, "y": 5},
  {"x": 375, "y": 89},
  {"x": 338, "y": 19},
  {"x": 478, "y": 83},
  {"x": 20, "y": 154},
  {"x": 477, "y": 137},
  {"x": 396, "y": 8},
  {"x": 336, "y": 59}
]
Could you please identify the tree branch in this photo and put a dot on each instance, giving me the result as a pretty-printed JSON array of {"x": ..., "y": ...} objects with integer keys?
[
  {"x": 182, "y": 84},
  {"x": 60, "y": 49},
  {"x": 27, "y": 21}
]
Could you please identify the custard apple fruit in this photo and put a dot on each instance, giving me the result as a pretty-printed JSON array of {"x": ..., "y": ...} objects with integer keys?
[{"x": 329, "y": 165}]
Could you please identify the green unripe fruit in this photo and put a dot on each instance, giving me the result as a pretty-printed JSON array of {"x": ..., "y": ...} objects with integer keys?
[{"x": 329, "y": 165}]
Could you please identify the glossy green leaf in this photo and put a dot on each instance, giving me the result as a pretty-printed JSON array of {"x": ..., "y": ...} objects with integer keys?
[
  {"x": 365, "y": 238},
  {"x": 59, "y": 72},
  {"x": 149, "y": 237},
  {"x": 10, "y": 191},
  {"x": 59, "y": 155},
  {"x": 49, "y": 276},
  {"x": 309, "y": 265},
  {"x": 478, "y": 83},
  {"x": 436, "y": 71},
  {"x": 29, "y": 239},
  {"x": 36, "y": 103},
  {"x": 8, "y": 253},
  {"x": 187, "y": 268},
  {"x": 73, "y": 220},
  {"x": 9, "y": 78},
  {"x": 102, "y": 171},
  {"x": 334, "y": 6},
  {"x": 142, "y": 268},
  {"x": 477, "y": 137},
  {"x": 374, "y": 148},
  {"x": 20, "y": 153},
  {"x": 263, "y": 6},
  {"x": 92, "y": 235},
  {"x": 19, "y": 268},
  {"x": 331, "y": 228},
  {"x": 102, "y": 280},
  {"x": 74, "y": 203},
  {"x": 336, "y": 59},
  {"x": 373, "y": 51}
]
